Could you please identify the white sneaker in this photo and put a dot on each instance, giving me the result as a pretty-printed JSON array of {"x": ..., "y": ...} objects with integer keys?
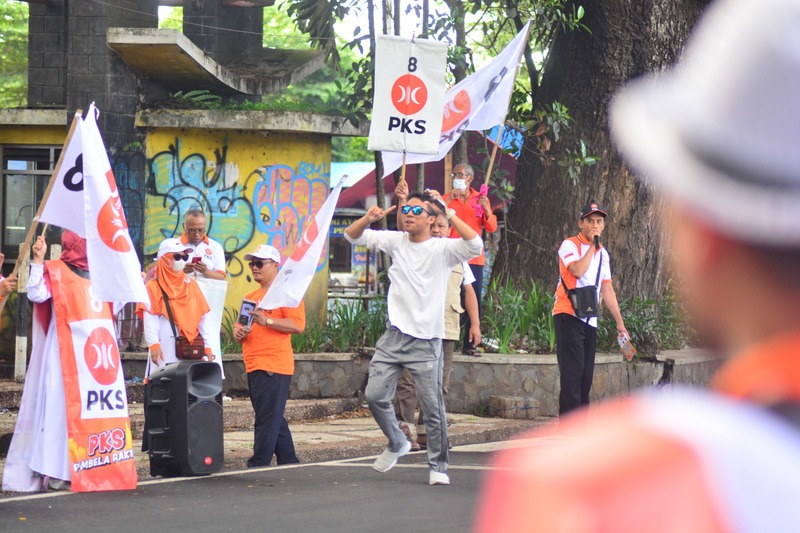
[
  {"x": 438, "y": 478},
  {"x": 388, "y": 458}
]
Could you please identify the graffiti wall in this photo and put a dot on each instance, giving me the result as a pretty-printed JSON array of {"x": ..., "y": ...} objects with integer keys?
[{"x": 253, "y": 188}]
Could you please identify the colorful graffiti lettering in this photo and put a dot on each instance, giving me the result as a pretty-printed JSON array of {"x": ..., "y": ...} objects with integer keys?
[
  {"x": 284, "y": 202},
  {"x": 179, "y": 184},
  {"x": 273, "y": 204},
  {"x": 130, "y": 174}
]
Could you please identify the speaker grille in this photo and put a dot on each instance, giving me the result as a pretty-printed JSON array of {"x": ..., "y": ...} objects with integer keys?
[{"x": 205, "y": 438}]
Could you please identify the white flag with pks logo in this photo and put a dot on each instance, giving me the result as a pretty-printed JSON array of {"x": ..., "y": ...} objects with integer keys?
[
  {"x": 84, "y": 198},
  {"x": 409, "y": 95},
  {"x": 478, "y": 102},
  {"x": 288, "y": 289}
]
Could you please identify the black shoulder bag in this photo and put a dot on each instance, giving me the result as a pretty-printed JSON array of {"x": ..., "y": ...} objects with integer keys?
[
  {"x": 183, "y": 348},
  {"x": 584, "y": 299}
]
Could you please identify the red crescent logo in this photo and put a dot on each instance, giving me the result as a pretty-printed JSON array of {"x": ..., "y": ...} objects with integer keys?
[
  {"x": 111, "y": 224},
  {"x": 409, "y": 94},
  {"x": 101, "y": 355},
  {"x": 456, "y": 110},
  {"x": 308, "y": 237}
]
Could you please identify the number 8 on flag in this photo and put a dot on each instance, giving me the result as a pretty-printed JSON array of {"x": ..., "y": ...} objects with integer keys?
[{"x": 409, "y": 95}]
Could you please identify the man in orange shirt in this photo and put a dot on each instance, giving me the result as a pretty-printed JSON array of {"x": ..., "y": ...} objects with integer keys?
[
  {"x": 721, "y": 460},
  {"x": 269, "y": 362},
  {"x": 474, "y": 209}
]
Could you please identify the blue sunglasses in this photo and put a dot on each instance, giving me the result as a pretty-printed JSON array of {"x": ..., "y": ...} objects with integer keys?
[{"x": 417, "y": 210}]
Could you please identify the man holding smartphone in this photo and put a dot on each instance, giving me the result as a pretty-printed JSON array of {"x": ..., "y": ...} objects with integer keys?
[
  {"x": 208, "y": 258},
  {"x": 206, "y": 265}
]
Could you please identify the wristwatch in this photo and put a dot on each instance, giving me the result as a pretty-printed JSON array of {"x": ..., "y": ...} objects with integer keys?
[
  {"x": 450, "y": 214},
  {"x": 270, "y": 321}
]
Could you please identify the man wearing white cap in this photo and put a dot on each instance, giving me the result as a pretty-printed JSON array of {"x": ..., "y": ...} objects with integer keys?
[
  {"x": 717, "y": 137},
  {"x": 269, "y": 362},
  {"x": 186, "y": 304}
]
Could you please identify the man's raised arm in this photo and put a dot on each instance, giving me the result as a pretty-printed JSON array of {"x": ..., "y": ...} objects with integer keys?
[{"x": 356, "y": 229}]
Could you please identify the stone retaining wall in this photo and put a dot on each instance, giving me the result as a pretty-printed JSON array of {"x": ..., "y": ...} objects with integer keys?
[{"x": 475, "y": 379}]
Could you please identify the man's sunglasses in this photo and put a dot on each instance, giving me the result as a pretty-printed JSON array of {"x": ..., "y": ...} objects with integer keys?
[
  {"x": 179, "y": 257},
  {"x": 258, "y": 264},
  {"x": 416, "y": 210}
]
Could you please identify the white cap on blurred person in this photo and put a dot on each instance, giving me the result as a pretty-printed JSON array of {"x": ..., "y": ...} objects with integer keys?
[
  {"x": 719, "y": 131},
  {"x": 172, "y": 246},
  {"x": 264, "y": 251}
]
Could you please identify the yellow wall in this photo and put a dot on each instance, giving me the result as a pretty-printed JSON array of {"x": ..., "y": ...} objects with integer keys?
[
  {"x": 39, "y": 135},
  {"x": 255, "y": 188}
]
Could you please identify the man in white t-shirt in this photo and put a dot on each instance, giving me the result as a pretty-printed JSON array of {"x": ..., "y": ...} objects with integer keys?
[
  {"x": 583, "y": 262},
  {"x": 421, "y": 267}
]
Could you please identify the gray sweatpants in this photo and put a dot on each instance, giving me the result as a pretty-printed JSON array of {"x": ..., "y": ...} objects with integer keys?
[{"x": 395, "y": 351}]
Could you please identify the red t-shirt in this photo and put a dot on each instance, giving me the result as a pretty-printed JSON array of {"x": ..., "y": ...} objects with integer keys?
[{"x": 467, "y": 212}]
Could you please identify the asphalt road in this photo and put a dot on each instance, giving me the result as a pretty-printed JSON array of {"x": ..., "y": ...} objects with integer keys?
[{"x": 341, "y": 496}]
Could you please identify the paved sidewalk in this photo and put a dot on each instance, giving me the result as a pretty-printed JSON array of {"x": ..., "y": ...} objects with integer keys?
[{"x": 323, "y": 429}]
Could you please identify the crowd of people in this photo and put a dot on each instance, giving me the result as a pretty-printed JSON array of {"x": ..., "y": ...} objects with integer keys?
[
  {"x": 684, "y": 461},
  {"x": 433, "y": 303}
]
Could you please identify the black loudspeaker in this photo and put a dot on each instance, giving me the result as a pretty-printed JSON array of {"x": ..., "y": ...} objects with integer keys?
[{"x": 183, "y": 419}]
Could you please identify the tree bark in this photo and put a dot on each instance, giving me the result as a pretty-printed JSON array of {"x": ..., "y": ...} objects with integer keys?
[{"x": 628, "y": 38}]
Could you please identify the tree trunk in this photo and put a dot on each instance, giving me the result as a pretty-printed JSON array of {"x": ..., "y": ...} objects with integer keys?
[{"x": 628, "y": 38}]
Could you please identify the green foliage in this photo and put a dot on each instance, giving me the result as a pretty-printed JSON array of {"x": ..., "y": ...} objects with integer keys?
[
  {"x": 170, "y": 18},
  {"x": 350, "y": 328},
  {"x": 350, "y": 149},
  {"x": 13, "y": 54},
  {"x": 229, "y": 318},
  {"x": 199, "y": 99},
  {"x": 654, "y": 325},
  {"x": 574, "y": 161},
  {"x": 518, "y": 319},
  {"x": 316, "y": 18}
]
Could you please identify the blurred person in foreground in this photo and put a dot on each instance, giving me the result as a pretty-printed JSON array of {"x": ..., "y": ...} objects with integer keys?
[{"x": 716, "y": 136}]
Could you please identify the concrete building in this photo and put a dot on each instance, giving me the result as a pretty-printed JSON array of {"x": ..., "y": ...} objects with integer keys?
[{"x": 258, "y": 175}]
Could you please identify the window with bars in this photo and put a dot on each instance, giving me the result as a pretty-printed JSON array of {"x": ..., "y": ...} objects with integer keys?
[{"x": 24, "y": 177}]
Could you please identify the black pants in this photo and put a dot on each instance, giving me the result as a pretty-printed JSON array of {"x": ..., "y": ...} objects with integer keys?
[
  {"x": 477, "y": 271},
  {"x": 268, "y": 394},
  {"x": 575, "y": 346}
]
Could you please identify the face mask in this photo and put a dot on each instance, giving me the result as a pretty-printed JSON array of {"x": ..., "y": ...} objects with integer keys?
[
  {"x": 177, "y": 266},
  {"x": 460, "y": 184}
]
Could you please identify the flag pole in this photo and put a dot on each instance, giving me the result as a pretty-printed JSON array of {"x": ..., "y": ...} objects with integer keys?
[
  {"x": 403, "y": 169},
  {"x": 26, "y": 245}
]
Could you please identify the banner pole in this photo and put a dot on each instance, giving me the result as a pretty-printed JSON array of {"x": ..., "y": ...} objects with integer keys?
[
  {"x": 403, "y": 169},
  {"x": 26, "y": 245}
]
